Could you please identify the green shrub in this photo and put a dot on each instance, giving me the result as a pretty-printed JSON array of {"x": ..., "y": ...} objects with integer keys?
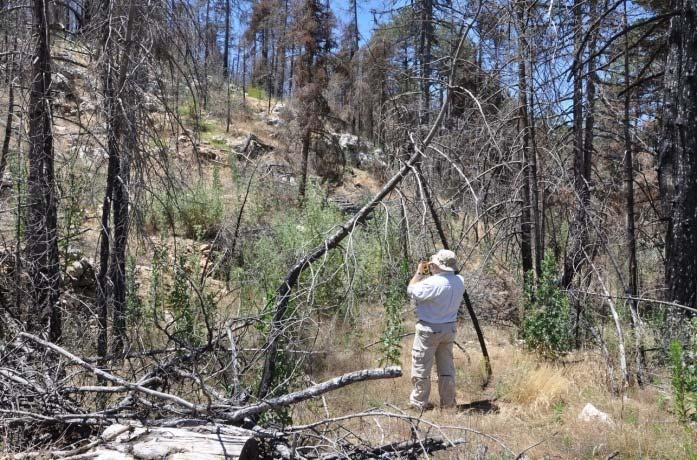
[
  {"x": 134, "y": 304},
  {"x": 391, "y": 341},
  {"x": 684, "y": 381},
  {"x": 546, "y": 325},
  {"x": 256, "y": 92},
  {"x": 179, "y": 303}
]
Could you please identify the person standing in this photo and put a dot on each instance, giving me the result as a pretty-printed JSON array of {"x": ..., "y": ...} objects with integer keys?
[{"x": 437, "y": 297}]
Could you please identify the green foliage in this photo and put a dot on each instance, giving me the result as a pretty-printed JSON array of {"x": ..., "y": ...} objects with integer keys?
[
  {"x": 292, "y": 233},
  {"x": 177, "y": 300},
  {"x": 546, "y": 326},
  {"x": 391, "y": 341},
  {"x": 159, "y": 262},
  {"x": 363, "y": 270},
  {"x": 192, "y": 115},
  {"x": 684, "y": 381},
  {"x": 201, "y": 210},
  {"x": 179, "y": 303},
  {"x": 256, "y": 92},
  {"x": 284, "y": 376},
  {"x": 134, "y": 304},
  {"x": 74, "y": 187}
]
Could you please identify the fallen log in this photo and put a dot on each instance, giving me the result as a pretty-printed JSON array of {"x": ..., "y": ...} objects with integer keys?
[
  {"x": 313, "y": 391},
  {"x": 135, "y": 442}
]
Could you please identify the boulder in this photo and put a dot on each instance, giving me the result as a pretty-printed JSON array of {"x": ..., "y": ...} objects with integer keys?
[
  {"x": 272, "y": 120},
  {"x": 209, "y": 153},
  {"x": 86, "y": 152},
  {"x": 152, "y": 104},
  {"x": 348, "y": 141},
  {"x": 87, "y": 106},
  {"x": 591, "y": 414},
  {"x": 278, "y": 109},
  {"x": 329, "y": 160},
  {"x": 62, "y": 85},
  {"x": 81, "y": 274},
  {"x": 6, "y": 181},
  {"x": 252, "y": 148}
]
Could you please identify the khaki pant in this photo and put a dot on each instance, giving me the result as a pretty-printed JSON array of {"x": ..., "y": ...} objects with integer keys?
[{"x": 433, "y": 341}]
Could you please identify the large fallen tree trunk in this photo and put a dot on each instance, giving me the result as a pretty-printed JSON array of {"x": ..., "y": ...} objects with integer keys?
[{"x": 136, "y": 442}]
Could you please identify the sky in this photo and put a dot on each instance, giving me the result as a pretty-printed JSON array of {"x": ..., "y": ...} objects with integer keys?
[{"x": 365, "y": 17}]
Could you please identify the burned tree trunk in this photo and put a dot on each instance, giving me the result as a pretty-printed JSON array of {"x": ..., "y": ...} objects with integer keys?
[
  {"x": 578, "y": 231},
  {"x": 678, "y": 161},
  {"x": 526, "y": 208},
  {"x": 10, "y": 116},
  {"x": 121, "y": 138},
  {"x": 633, "y": 287},
  {"x": 41, "y": 231}
]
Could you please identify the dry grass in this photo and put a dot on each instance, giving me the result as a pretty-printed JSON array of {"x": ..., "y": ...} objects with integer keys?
[
  {"x": 538, "y": 402},
  {"x": 537, "y": 388}
]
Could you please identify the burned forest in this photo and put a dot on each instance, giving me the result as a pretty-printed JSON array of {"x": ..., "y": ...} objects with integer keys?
[{"x": 348, "y": 229}]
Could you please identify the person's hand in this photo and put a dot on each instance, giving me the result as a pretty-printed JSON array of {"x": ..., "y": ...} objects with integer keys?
[{"x": 422, "y": 269}]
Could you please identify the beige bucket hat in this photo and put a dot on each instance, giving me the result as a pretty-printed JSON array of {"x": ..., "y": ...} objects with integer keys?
[{"x": 445, "y": 260}]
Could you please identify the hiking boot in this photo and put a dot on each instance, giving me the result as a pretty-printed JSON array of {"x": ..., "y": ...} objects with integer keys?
[{"x": 421, "y": 407}]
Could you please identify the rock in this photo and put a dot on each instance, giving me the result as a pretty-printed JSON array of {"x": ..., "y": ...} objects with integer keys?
[
  {"x": 81, "y": 274},
  {"x": 73, "y": 253},
  {"x": 6, "y": 181},
  {"x": 252, "y": 148},
  {"x": 348, "y": 141},
  {"x": 87, "y": 106},
  {"x": 61, "y": 84},
  {"x": 86, "y": 152},
  {"x": 207, "y": 152},
  {"x": 329, "y": 160},
  {"x": 152, "y": 104},
  {"x": 278, "y": 109},
  {"x": 591, "y": 414},
  {"x": 272, "y": 120}
]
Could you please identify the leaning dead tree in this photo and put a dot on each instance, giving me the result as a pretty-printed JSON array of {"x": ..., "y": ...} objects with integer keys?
[{"x": 283, "y": 293}]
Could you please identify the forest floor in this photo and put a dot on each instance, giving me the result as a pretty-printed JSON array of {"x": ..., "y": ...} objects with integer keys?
[{"x": 529, "y": 401}]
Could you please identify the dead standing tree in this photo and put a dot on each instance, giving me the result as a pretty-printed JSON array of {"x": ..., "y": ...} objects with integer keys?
[
  {"x": 117, "y": 88},
  {"x": 678, "y": 162},
  {"x": 42, "y": 217}
]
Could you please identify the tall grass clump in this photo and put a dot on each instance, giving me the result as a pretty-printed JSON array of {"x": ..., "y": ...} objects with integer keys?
[{"x": 201, "y": 209}]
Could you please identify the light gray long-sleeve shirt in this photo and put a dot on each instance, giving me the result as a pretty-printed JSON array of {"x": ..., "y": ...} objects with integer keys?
[{"x": 438, "y": 297}]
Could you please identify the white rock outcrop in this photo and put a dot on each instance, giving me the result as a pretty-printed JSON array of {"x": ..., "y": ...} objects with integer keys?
[{"x": 591, "y": 414}]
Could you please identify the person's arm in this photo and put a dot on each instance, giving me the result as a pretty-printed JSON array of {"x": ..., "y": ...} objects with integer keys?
[{"x": 419, "y": 276}]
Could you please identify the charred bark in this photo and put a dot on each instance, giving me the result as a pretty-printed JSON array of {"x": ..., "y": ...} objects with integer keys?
[
  {"x": 42, "y": 229},
  {"x": 578, "y": 231},
  {"x": 678, "y": 162}
]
